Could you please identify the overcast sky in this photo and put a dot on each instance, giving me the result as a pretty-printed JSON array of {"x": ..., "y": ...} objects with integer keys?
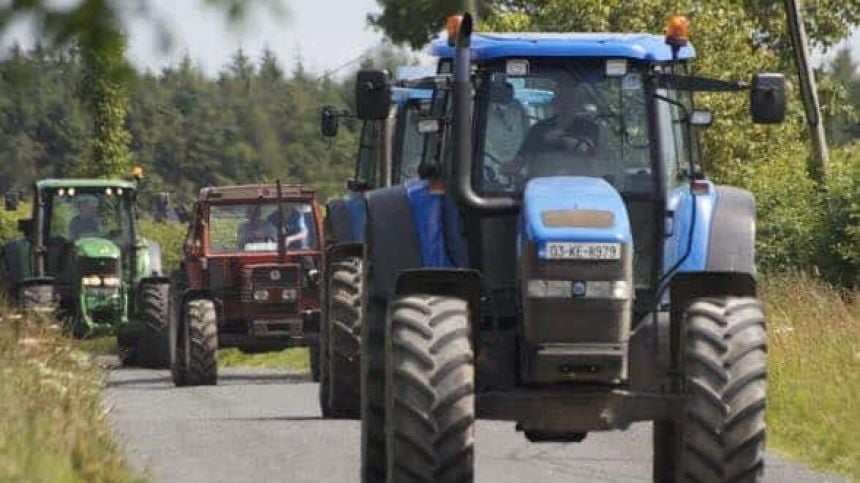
[{"x": 325, "y": 33}]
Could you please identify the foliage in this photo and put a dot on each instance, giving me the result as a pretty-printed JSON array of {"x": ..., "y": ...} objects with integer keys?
[
  {"x": 53, "y": 426},
  {"x": 102, "y": 90},
  {"x": 169, "y": 236},
  {"x": 254, "y": 123},
  {"x": 814, "y": 373},
  {"x": 9, "y": 222}
]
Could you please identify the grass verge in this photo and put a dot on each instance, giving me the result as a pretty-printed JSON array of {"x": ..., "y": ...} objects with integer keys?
[
  {"x": 52, "y": 423},
  {"x": 291, "y": 360},
  {"x": 814, "y": 373}
]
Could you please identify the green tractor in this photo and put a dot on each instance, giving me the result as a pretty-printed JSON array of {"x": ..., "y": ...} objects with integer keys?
[{"x": 83, "y": 258}]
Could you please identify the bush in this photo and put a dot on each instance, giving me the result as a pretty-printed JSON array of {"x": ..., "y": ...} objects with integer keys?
[
  {"x": 802, "y": 226},
  {"x": 170, "y": 236},
  {"x": 9, "y": 222},
  {"x": 839, "y": 229}
]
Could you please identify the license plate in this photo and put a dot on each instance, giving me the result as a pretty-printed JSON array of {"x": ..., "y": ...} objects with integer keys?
[{"x": 583, "y": 251}]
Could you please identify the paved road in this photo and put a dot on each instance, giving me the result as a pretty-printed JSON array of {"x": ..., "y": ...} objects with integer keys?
[{"x": 265, "y": 426}]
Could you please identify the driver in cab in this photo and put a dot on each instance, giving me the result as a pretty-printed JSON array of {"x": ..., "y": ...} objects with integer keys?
[
  {"x": 255, "y": 228},
  {"x": 86, "y": 222},
  {"x": 555, "y": 140}
]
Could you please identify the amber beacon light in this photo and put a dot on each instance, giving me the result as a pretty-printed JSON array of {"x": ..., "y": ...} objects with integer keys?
[{"x": 677, "y": 29}]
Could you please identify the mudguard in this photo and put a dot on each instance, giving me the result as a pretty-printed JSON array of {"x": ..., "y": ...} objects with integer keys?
[
  {"x": 723, "y": 231},
  {"x": 731, "y": 247},
  {"x": 392, "y": 241},
  {"x": 338, "y": 226}
]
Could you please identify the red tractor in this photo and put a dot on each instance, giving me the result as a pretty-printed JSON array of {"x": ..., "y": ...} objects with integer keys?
[{"x": 249, "y": 278}]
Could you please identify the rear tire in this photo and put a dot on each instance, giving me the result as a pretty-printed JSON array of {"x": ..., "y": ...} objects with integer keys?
[
  {"x": 430, "y": 395},
  {"x": 720, "y": 434},
  {"x": 343, "y": 326},
  {"x": 153, "y": 346},
  {"x": 373, "y": 459},
  {"x": 201, "y": 341}
]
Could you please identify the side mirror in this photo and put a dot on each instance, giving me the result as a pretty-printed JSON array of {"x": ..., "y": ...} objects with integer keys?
[
  {"x": 767, "y": 98},
  {"x": 372, "y": 95},
  {"x": 26, "y": 226},
  {"x": 329, "y": 122},
  {"x": 11, "y": 200},
  {"x": 701, "y": 117}
]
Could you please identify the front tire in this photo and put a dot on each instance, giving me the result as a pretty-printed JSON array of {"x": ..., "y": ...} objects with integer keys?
[
  {"x": 720, "y": 434},
  {"x": 430, "y": 394},
  {"x": 200, "y": 339}
]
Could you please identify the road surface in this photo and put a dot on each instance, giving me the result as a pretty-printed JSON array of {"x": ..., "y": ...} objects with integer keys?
[{"x": 262, "y": 425}]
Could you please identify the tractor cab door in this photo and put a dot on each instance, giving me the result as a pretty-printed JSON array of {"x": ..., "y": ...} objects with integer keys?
[{"x": 678, "y": 152}]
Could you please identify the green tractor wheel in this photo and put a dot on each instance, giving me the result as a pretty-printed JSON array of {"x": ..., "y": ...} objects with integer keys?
[{"x": 152, "y": 345}]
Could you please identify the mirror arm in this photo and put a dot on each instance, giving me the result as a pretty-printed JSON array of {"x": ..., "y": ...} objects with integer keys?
[{"x": 698, "y": 84}]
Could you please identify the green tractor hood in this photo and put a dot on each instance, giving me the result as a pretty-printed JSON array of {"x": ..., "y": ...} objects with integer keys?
[{"x": 92, "y": 247}]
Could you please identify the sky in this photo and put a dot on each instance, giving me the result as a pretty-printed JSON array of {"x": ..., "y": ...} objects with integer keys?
[{"x": 325, "y": 34}]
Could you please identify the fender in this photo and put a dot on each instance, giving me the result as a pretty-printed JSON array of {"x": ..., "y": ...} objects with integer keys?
[
  {"x": 731, "y": 245},
  {"x": 337, "y": 220},
  {"x": 392, "y": 240}
]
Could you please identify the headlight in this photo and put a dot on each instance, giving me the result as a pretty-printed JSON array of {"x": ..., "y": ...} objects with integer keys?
[
  {"x": 91, "y": 281},
  {"x": 110, "y": 281},
  {"x": 289, "y": 294},
  {"x": 592, "y": 289},
  {"x": 261, "y": 295}
]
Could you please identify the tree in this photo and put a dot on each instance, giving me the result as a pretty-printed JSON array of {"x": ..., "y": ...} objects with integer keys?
[{"x": 103, "y": 92}]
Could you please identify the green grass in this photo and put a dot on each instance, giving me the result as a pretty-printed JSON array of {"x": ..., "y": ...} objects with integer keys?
[
  {"x": 292, "y": 360},
  {"x": 814, "y": 374},
  {"x": 53, "y": 427},
  {"x": 99, "y": 346}
]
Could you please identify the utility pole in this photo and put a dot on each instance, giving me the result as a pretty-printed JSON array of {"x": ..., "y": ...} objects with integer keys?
[{"x": 809, "y": 93}]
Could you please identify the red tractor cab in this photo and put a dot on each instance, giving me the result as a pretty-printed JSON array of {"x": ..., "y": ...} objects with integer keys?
[{"x": 249, "y": 278}]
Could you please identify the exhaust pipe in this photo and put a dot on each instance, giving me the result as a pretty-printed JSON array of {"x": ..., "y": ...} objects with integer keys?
[{"x": 462, "y": 121}]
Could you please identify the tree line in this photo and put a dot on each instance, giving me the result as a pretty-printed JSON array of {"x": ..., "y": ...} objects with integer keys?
[{"x": 255, "y": 122}]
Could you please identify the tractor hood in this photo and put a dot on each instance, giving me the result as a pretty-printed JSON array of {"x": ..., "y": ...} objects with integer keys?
[
  {"x": 575, "y": 209},
  {"x": 93, "y": 247}
]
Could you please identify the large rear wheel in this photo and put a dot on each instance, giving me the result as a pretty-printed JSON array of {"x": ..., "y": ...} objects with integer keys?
[
  {"x": 720, "y": 434},
  {"x": 152, "y": 346},
  {"x": 373, "y": 459},
  {"x": 430, "y": 394},
  {"x": 343, "y": 338}
]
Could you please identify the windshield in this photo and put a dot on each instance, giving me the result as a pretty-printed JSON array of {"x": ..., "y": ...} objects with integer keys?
[
  {"x": 253, "y": 227},
  {"x": 564, "y": 119},
  {"x": 75, "y": 213}
]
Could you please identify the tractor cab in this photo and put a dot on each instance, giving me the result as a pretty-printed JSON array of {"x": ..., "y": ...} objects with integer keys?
[{"x": 562, "y": 262}]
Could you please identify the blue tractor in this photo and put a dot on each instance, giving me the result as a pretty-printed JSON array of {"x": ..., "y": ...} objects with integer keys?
[
  {"x": 563, "y": 263},
  {"x": 390, "y": 151}
]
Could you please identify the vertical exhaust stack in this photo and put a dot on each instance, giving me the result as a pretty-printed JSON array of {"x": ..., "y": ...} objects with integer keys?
[
  {"x": 282, "y": 225},
  {"x": 462, "y": 134}
]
